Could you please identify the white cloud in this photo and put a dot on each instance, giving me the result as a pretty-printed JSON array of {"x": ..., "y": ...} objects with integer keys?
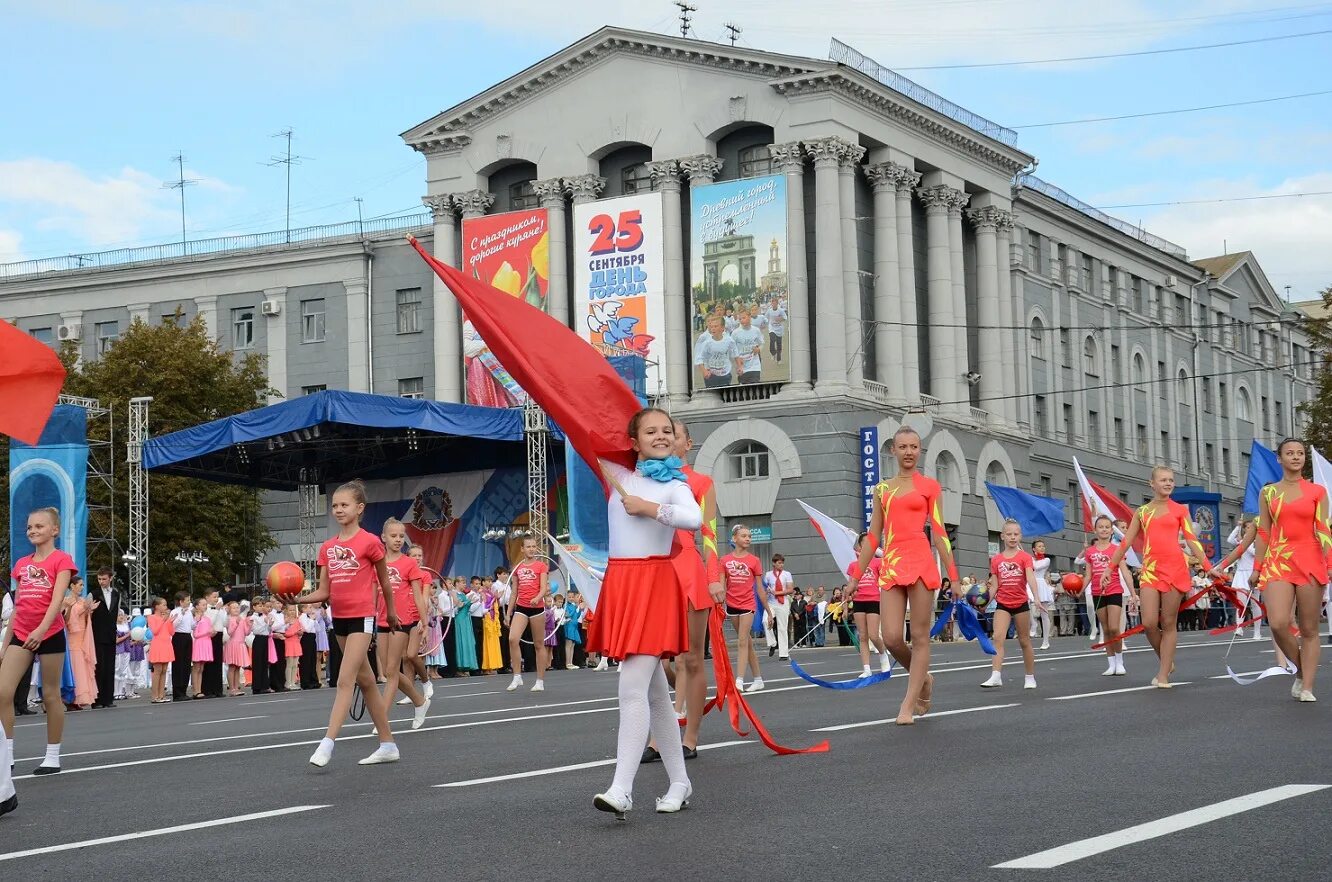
[
  {"x": 100, "y": 211},
  {"x": 11, "y": 246}
]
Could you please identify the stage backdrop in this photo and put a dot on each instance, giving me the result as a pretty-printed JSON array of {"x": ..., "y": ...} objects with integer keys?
[
  {"x": 738, "y": 252},
  {"x": 511, "y": 252},
  {"x": 54, "y": 473},
  {"x": 619, "y": 282}
]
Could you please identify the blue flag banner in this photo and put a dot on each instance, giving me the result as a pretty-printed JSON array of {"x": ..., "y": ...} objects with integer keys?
[
  {"x": 1264, "y": 468},
  {"x": 1037, "y": 515}
]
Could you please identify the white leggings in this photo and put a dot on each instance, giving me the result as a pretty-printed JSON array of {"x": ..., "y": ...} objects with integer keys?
[{"x": 645, "y": 702}]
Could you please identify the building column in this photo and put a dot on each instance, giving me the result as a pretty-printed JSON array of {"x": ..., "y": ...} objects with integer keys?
[
  {"x": 1009, "y": 316},
  {"x": 989, "y": 317},
  {"x": 447, "y": 326},
  {"x": 666, "y": 181},
  {"x": 700, "y": 170},
  {"x": 959, "y": 284},
  {"x": 358, "y": 341},
  {"x": 206, "y": 305},
  {"x": 851, "y": 287},
  {"x": 551, "y": 194},
  {"x": 790, "y": 160},
  {"x": 945, "y": 376},
  {"x": 275, "y": 337},
  {"x": 830, "y": 289},
  {"x": 907, "y": 180},
  {"x": 889, "y": 333}
]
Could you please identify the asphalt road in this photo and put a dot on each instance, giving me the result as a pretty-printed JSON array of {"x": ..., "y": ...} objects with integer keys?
[{"x": 992, "y": 776}]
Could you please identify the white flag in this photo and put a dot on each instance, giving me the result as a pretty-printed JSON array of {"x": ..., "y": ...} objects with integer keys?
[
  {"x": 587, "y": 580},
  {"x": 841, "y": 540}
]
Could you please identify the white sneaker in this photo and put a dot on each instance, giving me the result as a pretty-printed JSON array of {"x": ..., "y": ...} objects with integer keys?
[
  {"x": 740, "y": 684},
  {"x": 756, "y": 685},
  {"x": 676, "y": 798},
  {"x": 1296, "y": 688},
  {"x": 1305, "y": 695},
  {"x": 1110, "y": 671},
  {"x": 865, "y": 673},
  {"x": 1257, "y": 636},
  {"x": 1119, "y": 668},
  {"x": 601, "y": 666},
  {"x": 385, "y": 753},
  {"x": 618, "y": 804},
  {"x": 514, "y": 684},
  {"x": 1029, "y": 683},
  {"x": 418, "y": 718},
  {"x": 1045, "y": 645},
  {"x": 404, "y": 701},
  {"x": 996, "y": 679},
  {"x": 885, "y": 663},
  {"x": 539, "y": 686},
  {"x": 571, "y": 667},
  {"x": 321, "y": 756}
]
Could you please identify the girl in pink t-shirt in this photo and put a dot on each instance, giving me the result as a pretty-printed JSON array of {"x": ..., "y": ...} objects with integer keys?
[
  {"x": 36, "y": 629},
  {"x": 742, "y": 572},
  {"x": 864, "y": 588},
  {"x": 352, "y": 573},
  {"x": 406, "y": 578},
  {"x": 1107, "y": 596},
  {"x": 1012, "y": 584},
  {"x": 530, "y": 584}
]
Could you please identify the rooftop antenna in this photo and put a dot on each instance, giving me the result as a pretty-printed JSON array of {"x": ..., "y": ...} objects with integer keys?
[
  {"x": 685, "y": 21},
  {"x": 735, "y": 31},
  {"x": 180, "y": 183},
  {"x": 1287, "y": 293},
  {"x": 288, "y": 160}
]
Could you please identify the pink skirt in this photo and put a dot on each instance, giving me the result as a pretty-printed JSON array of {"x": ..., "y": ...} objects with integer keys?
[
  {"x": 203, "y": 649},
  {"x": 641, "y": 610}
]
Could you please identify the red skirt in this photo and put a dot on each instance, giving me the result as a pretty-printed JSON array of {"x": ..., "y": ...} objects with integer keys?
[
  {"x": 693, "y": 576},
  {"x": 641, "y": 610}
]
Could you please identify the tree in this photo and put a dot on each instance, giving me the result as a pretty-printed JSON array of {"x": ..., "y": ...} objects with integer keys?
[
  {"x": 191, "y": 380},
  {"x": 1318, "y": 411}
]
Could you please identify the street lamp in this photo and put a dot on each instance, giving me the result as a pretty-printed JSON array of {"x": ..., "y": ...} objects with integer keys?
[{"x": 190, "y": 559}]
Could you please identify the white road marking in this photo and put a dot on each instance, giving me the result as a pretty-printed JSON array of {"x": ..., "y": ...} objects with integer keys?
[
  {"x": 932, "y": 715},
  {"x": 269, "y": 701},
  {"x": 163, "y": 831},
  {"x": 228, "y": 720},
  {"x": 1110, "y": 692},
  {"x": 1084, "y": 848},
  {"x": 575, "y": 767}
]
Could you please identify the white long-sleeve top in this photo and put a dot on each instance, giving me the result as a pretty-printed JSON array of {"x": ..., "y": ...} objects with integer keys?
[
  {"x": 259, "y": 625},
  {"x": 639, "y": 537}
]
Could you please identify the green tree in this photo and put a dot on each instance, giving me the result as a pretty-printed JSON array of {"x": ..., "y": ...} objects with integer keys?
[
  {"x": 1318, "y": 411},
  {"x": 191, "y": 380}
]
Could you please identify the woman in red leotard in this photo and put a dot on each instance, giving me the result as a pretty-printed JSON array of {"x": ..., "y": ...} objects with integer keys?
[
  {"x": 904, "y": 505},
  {"x": 1292, "y": 562},
  {"x": 1165, "y": 570}
]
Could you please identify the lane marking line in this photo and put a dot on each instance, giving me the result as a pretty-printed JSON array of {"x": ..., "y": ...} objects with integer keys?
[
  {"x": 575, "y": 767},
  {"x": 929, "y": 716},
  {"x": 229, "y": 720},
  {"x": 1111, "y": 692}
]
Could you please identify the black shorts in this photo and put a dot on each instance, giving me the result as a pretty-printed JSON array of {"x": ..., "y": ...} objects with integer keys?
[
  {"x": 869, "y": 607},
  {"x": 1101, "y": 601},
  {"x": 737, "y": 611},
  {"x": 360, "y": 625},
  {"x": 50, "y": 646},
  {"x": 402, "y": 628},
  {"x": 530, "y": 611},
  {"x": 1024, "y": 606}
]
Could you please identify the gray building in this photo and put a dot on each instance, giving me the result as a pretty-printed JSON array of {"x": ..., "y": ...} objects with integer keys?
[{"x": 931, "y": 281}]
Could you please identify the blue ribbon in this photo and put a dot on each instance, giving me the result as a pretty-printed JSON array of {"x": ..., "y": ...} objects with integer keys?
[
  {"x": 662, "y": 470},
  {"x": 858, "y": 683},
  {"x": 968, "y": 624}
]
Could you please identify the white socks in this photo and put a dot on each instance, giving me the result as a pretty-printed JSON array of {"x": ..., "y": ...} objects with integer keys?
[
  {"x": 1030, "y": 682},
  {"x": 6, "y": 757},
  {"x": 996, "y": 679},
  {"x": 645, "y": 703},
  {"x": 52, "y": 759}
]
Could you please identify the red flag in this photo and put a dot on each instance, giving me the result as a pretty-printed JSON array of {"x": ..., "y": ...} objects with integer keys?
[
  {"x": 571, "y": 381},
  {"x": 30, "y": 379}
]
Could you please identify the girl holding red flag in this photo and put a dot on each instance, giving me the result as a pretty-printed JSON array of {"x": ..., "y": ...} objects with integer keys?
[
  {"x": 1165, "y": 570},
  {"x": 743, "y": 572},
  {"x": 904, "y": 505},
  {"x": 1108, "y": 596},
  {"x": 1012, "y": 583},
  {"x": 641, "y": 615},
  {"x": 865, "y": 611}
]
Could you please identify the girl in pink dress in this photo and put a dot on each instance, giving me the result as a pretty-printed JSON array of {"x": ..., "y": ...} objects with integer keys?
[
  {"x": 203, "y": 645},
  {"x": 291, "y": 649},
  {"x": 234, "y": 652},
  {"x": 82, "y": 653}
]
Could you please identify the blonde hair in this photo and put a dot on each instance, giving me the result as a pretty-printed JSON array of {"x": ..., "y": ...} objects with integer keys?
[
  {"x": 390, "y": 522},
  {"x": 356, "y": 488},
  {"x": 1012, "y": 522},
  {"x": 1158, "y": 469},
  {"x": 51, "y": 512}
]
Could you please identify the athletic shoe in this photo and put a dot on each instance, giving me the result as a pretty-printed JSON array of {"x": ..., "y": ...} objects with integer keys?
[
  {"x": 429, "y": 690},
  {"x": 385, "y": 753},
  {"x": 1110, "y": 671},
  {"x": 321, "y": 756},
  {"x": 756, "y": 686},
  {"x": 676, "y": 798},
  {"x": 996, "y": 679},
  {"x": 885, "y": 663},
  {"x": 404, "y": 701},
  {"x": 1029, "y": 683},
  {"x": 1045, "y": 645},
  {"x": 1306, "y": 695},
  {"x": 740, "y": 684},
  {"x": 539, "y": 686},
  {"x": 9, "y": 804},
  {"x": 418, "y": 719},
  {"x": 618, "y": 804},
  {"x": 865, "y": 673},
  {"x": 514, "y": 684},
  {"x": 1119, "y": 668}
]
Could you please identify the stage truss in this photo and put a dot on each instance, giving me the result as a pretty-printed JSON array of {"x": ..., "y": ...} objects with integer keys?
[
  {"x": 136, "y": 556},
  {"x": 538, "y": 434}
]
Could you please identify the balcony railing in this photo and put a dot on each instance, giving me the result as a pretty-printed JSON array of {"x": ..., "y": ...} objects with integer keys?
[
  {"x": 753, "y": 392},
  {"x": 929, "y": 403}
]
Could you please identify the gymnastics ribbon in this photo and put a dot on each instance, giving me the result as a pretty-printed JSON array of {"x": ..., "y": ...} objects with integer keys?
[
  {"x": 968, "y": 625},
  {"x": 1274, "y": 671},
  {"x": 730, "y": 699},
  {"x": 858, "y": 683}
]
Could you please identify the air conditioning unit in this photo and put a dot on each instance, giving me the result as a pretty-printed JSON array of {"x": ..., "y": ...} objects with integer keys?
[
  {"x": 1171, "y": 281},
  {"x": 270, "y": 307},
  {"x": 69, "y": 332}
]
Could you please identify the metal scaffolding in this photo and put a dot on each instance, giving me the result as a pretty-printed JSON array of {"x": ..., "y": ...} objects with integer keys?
[
  {"x": 537, "y": 432},
  {"x": 102, "y": 547},
  {"x": 137, "y": 554},
  {"x": 307, "y": 499}
]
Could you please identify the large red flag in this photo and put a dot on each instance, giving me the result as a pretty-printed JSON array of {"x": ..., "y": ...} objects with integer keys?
[
  {"x": 30, "y": 379},
  {"x": 571, "y": 381}
]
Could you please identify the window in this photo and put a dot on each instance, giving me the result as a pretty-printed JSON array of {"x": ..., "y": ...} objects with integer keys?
[
  {"x": 1139, "y": 295},
  {"x": 1087, "y": 274},
  {"x": 1116, "y": 365},
  {"x": 1244, "y": 406},
  {"x": 1244, "y": 462},
  {"x": 1225, "y": 462},
  {"x": 1119, "y": 436},
  {"x": 1037, "y": 338},
  {"x": 1207, "y": 394},
  {"x": 1186, "y": 452},
  {"x": 1267, "y": 415},
  {"x": 312, "y": 321},
  {"x": 1094, "y": 430},
  {"x": 1046, "y": 486},
  {"x": 1065, "y": 347},
  {"x": 1222, "y": 398},
  {"x": 749, "y": 461},
  {"x": 1070, "y": 427},
  {"x": 1089, "y": 366},
  {"x": 242, "y": 328},
  {"x": 409, "y": 310},
  {"x": 310, "y": 390},
  {"x": 755, "y": 161},
  {"x": 1161, "y": 379},
  {"x": 170, "y": 318},
  {"x": 1183, "y": 310},
  {"x": 1182, "y": 387},
  {"x": 1280, "y": 417},
  {"x": 522, "y": 195},
  {"x": 1034, "y": 251},
  {"x": 1139, "y": 372},
  {"x": 411, "y": 387},
  {"x": 1141, "y": 441},
  {"x": 43, "y": 335},
  {"x": 1209, "y": 458},
  {"x": 1074, "y": 503},
  {"x": 1039, "y": 415},
  {"x": 107, "y": 335},
  {"x": 635, "y": 179}
]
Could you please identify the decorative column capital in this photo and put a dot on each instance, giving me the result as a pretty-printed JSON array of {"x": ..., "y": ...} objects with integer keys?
[
  {"x": 827, "y": 152},
  {"x": 473, "y": 203},
  {"x": 889, "y": 176},
  {"x": 941, "y": 199},
  {"x": 989, "y": 218},
  {"x": 665, "y": 174},
  {"x": 441, "y": 206},
  {"x": 550, "y": 192},
  {"x": 851, "y": 157},
  {"x": 700, "y": 169},
  {"x": 585, "y": 188},
  {"x": 789, "y": 158}
]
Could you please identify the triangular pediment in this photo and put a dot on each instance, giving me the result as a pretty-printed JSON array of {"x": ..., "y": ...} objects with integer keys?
[{"x": 1241, "y": 274}]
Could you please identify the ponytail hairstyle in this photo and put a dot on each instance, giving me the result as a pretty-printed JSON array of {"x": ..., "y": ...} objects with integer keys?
[
  {"x": 389, "y": 522},
  {"x": 1279, "y": 447},
  {"x": 51, "y": 512},
  {"x": 356, "y": 487}
]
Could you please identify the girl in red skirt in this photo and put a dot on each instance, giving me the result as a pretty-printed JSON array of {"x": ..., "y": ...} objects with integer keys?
[{"x": 641, "y": 616}]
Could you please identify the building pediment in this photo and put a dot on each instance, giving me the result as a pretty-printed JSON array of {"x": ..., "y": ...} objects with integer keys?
[{"x": 1240, "y": 273}]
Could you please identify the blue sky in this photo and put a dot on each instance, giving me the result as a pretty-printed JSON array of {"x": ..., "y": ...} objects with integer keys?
[{"x": 99, "y": 95}]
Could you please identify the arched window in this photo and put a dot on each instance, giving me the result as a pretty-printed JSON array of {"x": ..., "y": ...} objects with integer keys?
[
  {"x": 755, "y": 161},
  {"x": 995, "y": 474},
  {"x": 522, "y": 195},
  {"x": 635, "y": 179},
  {"x": 1244, "y": 406},
  {"x": 1139, "y": 371},
  {"x": 947, "y": 472},
  {"x": 1182, "y": 389},
  {"x": 1089, "y": 358},
  {"x": 1037, "y": 338},
  {"x": 749, "y": 461}
]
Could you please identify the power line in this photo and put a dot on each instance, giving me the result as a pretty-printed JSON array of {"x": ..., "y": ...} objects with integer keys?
[
  {"x": 1210, "y": 201},
  {"x": 1100, "y": 327},
  {"x": 1096, "y": 119},
  {"x": 1118, "y": 54}
]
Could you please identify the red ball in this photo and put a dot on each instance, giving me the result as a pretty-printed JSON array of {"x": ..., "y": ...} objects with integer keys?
[
  {"x": 1072, "y": 583},
  {"x": 285, "y": 578}
]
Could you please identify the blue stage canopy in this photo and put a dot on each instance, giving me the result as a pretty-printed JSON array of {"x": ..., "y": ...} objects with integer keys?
[{"x": 332, "y": 436}]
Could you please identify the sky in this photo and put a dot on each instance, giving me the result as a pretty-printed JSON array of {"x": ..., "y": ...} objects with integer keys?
[{"x": 98, "y": 95}]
